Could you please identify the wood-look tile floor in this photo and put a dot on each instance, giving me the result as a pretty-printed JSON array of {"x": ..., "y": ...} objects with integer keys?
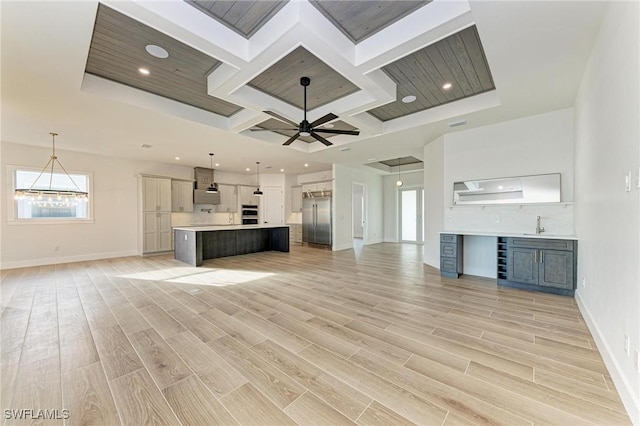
[{"x": 314, "y": 337}]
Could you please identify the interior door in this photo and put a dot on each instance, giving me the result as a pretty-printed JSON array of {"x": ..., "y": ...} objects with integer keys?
[{"x": 273, "y": 206}]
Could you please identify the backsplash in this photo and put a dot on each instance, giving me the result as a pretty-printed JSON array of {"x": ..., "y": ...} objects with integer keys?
[
  {"x": 199, "y": 217},
  {"x": 557, "y": 219}
]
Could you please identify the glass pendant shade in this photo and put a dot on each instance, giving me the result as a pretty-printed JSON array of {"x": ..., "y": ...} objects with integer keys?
[{"x": 399, "y": 182}]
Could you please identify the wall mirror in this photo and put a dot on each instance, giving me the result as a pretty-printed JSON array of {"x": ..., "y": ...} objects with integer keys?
[{"x": 516, "y": 189}]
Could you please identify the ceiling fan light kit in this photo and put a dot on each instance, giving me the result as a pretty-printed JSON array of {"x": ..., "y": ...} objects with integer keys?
[{"x": 304, "y": 128}]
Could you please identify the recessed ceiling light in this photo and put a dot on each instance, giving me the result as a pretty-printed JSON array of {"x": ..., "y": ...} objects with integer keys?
[
  {"x": 408, "y": 99},
  {"x": 282, "y": 170},
  {"x": 306, "y": 165},
  {"x": 177, "y": 158},
  {"x": 372, "y": 159},
  {"x": 329, "y": 125},
  {"x": 346, "y": 148},
  {"x": 143, "y": 71},
  {"x": 248, "y": 169},
  {"x": 447, "y": 86},
  {"x": 145, "y": 145},
  {"x": 217, "y": 164},
  {"x": 156, "y": 51}
]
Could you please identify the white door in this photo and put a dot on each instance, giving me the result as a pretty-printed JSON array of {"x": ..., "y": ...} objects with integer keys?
[
  {"x": 411, "y": 219},
  {"x": 273, "y": 205}
]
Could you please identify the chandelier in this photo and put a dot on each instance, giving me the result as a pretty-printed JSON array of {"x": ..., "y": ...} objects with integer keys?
[{"x": 50, "y": 196}]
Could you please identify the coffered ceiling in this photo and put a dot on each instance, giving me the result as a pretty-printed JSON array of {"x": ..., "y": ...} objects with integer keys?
[
  {"x": 229, "y": 61},
  {"x": 364, "y": 96}
]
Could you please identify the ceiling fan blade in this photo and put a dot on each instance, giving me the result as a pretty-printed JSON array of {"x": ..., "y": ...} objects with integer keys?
[
  {"x": 291, "y": 139},
  {"x": 324, "y": 119},
  {"x": 272, "y": 130},
  {"x": 338, "y": 132},
  {"x": 281, "y": 118},
  {"x": 320, "y": 138}
]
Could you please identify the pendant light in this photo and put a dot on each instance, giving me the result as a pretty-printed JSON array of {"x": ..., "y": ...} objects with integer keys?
[
  {"x": 399, "y": 182},
  {"x": 257, "y": 192},
  {"x": 212, "y": 189},
  {"x": 52, "y": 196}
]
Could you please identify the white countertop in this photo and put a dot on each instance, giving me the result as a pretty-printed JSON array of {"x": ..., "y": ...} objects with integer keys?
[
  {"x": 224, "y": 227},
  {"x": 513, "y": 234}
]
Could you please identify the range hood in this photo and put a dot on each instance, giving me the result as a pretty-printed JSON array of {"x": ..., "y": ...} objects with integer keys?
[{"x": 203, "y": 180}]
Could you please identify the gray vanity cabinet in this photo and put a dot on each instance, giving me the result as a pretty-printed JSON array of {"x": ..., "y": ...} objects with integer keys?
[
  {"x": 450, "y": 255},
  {"x": 542, "y": 264}
]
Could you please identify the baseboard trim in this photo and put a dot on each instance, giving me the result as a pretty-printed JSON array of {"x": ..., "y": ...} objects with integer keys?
[
  {"x": 66, "y": 259},
  {"x": 374, "y": 241},
  {"x": 630, "y": 401},
  {"x": 344, "y": 246}
]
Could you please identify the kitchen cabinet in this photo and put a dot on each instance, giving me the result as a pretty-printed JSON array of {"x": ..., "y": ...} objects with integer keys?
[
  {"x": 450, "y": 255},
  {"x": 155, "y": 211},
  {"x": 318, "y": 186},
  {"x": 156, "y": 194},
  {"x": 296, "y": 199},
  {"x": 542, "y": 264},
  {"x": 228, "y": 198},
  {"x": 181, "y": 196},
  {"x": 247, "y": 197}
]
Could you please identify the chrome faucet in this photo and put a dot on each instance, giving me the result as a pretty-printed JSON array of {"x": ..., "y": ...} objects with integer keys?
[{"x": 539, "y": 229}]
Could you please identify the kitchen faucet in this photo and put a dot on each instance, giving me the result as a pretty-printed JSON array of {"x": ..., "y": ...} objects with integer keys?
[{"x": 539, "y": 229}]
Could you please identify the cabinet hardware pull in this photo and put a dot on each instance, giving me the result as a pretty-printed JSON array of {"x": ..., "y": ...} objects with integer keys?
[
  {"x": 535, "y": 256},
  {"x": 541, "y": 256}
]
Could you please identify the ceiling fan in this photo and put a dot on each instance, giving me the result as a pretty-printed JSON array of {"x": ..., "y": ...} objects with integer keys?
[{"x": 305, "y": 128}]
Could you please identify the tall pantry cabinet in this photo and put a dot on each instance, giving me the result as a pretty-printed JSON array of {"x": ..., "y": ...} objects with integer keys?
[{"x": 155, "y": 214}]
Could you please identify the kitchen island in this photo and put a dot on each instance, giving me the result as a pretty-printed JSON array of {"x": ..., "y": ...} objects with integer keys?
[{"x": 195, "y": 244}]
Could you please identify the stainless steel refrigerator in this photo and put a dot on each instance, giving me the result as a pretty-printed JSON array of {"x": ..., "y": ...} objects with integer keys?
[{"x": 316, "y": 218}]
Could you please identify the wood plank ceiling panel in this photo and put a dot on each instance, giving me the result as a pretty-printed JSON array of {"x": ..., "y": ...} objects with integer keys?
[
  {"x": 458, "y": 59},
  {"x": 361, "y": 19},
  {"x": 282, "y": 81},
  {"x": 272, "y": 123},
  {"x": 403, "y": 161},
  {"x": 118, "y": 49},
  {"x": 244, "y": 17}
]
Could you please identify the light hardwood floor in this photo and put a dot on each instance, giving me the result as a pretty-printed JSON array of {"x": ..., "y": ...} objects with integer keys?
[{"x": 370, "y": 337}]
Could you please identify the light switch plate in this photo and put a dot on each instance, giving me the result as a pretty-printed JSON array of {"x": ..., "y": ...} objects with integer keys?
[{"x": 627, "y": 182}]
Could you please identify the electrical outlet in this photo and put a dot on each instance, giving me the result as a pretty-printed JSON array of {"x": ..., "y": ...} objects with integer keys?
[
  {"x": 185, "y": 237},
  {"x": 627, "y": 345},
  {"x": 627, "y": 182},
  {"x": 584, "y": 282}
]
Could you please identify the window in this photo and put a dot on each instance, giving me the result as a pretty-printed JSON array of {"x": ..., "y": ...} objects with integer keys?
[{"x": 52, "y": 198}]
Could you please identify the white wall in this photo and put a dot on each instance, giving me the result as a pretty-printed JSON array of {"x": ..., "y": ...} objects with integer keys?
[
  {"x": 433, "y": 200},
  {"x": 114, "y": 231},
  {"x": 356, "y": 199},
  {"x": 607, "y": 219},
  {"x": 410, "y": 179},
  {"x": 532, "y": 145},
  {"x": 342, "y": 205}
]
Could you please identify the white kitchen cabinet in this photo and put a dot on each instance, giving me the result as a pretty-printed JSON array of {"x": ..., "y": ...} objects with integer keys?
[
  {"x": 181, "y": 196},
  {"x": 228, "y": 198},
  {"x": 156, "y": 232},
  {"x": 296, "y": 199},
  {"x": 155, "y": 211},
  {"x": 156, "y": 194},
  {"x": 317, "y": 186},
  {"x": 247, "y": 197}
]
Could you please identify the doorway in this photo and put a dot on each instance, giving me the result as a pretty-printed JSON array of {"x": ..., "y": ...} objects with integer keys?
[
  {"x": 358, "y": 214},
  {"x": 411, "y": 221}
]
